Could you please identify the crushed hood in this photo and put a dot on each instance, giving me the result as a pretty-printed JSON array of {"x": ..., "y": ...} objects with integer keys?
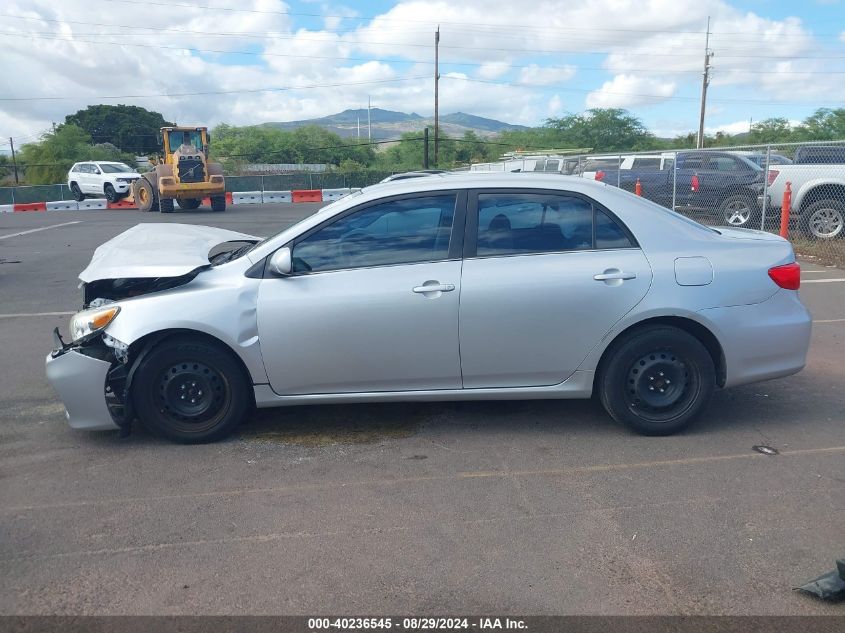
[{"x": 157, "y": 250}]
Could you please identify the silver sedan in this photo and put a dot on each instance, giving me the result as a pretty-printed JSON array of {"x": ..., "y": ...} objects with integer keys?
[{"x": 444, "y": 287}]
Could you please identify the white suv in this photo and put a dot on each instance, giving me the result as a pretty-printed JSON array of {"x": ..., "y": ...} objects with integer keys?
[{"x": 101, "y": 178}]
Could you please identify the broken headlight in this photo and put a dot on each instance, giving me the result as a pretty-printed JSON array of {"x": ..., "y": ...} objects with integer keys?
[{"x": 87, "y": 322}]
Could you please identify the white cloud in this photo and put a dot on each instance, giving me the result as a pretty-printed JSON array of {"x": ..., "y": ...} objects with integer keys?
[
  {"x": 624, "y": 91},
  {"x": 738, "y": 127},
  {"x": 535, "y": 75},
  {"x": 54, "y": 56}
]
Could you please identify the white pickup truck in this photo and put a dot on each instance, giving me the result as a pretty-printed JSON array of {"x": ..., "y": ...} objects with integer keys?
[{"x": 818, "y": 197}]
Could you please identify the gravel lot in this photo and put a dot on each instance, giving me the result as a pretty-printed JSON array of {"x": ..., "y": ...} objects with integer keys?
[{"x": 528, "y": 508}]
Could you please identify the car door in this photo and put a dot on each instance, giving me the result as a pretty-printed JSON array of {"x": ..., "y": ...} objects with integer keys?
[
  {"x": 372, "y": 303},
  {"x": 546, "y": 275},
  {"x": 84, "y": 177}
]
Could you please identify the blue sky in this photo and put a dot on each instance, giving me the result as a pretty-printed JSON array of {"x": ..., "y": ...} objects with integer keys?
[{"x": 258, "y": 60}]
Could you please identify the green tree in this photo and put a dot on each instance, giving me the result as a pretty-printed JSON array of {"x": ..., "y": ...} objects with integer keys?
[
  {"x": 603, "y": 130},
  {"x": 823, "y": 125},
  {"x": 48, "y": 161},
  {"x": 774, "y": 130},
  {"x": 131, "y": 128}
]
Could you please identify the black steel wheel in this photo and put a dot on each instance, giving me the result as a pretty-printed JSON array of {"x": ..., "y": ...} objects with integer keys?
[
  {"x": 76, "y": 192},
  {"x": 657, "y": 380},
  {"x": 190, "y": 391}
]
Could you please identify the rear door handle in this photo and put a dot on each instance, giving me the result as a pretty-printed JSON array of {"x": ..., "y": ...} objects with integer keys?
[
  {"x": 615, "y": 274},
  {"x": 435, "y": 287}
]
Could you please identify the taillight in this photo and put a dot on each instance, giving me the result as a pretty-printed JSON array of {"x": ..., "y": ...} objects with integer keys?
[
  {"x": 773, "y": 174},
  {"x": 599, "y": 176},
  {"x": 787, "y": 276}
]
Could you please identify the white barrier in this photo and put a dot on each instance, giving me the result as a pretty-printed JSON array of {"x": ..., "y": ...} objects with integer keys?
[
  {"x": 7, "y": 208},
  {"x": 93, "y": 203},
  {"x": 335, "y": 194},
  {"x": 63, "y": 205},
  {"x": 277, "y": 196},
  {"x": 246, "y": 197}
]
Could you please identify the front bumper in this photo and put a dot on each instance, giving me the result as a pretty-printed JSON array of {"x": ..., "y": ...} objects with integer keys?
[{"x": 80, "y": 381}]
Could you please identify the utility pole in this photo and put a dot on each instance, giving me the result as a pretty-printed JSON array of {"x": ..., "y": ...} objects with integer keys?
[
  {"x": 14, "y": 160},
  {"x": 705, "y": 81},
  {"x": 425, "y": 148},
  {"x": 436, "y": 95},
  {"x": 369, "y": 122}
]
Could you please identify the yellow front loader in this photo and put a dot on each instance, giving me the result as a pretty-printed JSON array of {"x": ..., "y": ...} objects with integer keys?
[{"x": 182, "y": 174}]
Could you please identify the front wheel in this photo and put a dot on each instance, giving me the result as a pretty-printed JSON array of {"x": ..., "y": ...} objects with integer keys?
[
  {"x": 145, "y": 194},
  {"x": 111, "y": 194},
  {"x": 825, "y": 219},
  {"x": 76, "y": 192},
  {"x": 658, "y": 379},
  {"x": 165, "y": 205},
  {"x": 738, "y": 211},
  {"x": 191, "y": 391}
]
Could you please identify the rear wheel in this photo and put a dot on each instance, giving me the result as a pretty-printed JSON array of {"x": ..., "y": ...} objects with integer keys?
[
  {"x": 825, "y": 219},
  {"x": 76, "y": 192},
  {"x": 189, "y": 203},
  {"x": 111, "y": 194},
  {"x": 145, "y": 195},
  {"x": 165, "y": 205},
  {"x": 738, "y": 211},
  {"x": 658, "y": 379},
  {"x": 191, "y": 391},
  {"x": 218, "y": 203}
]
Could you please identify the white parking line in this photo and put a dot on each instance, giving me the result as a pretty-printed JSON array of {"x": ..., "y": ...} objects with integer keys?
[
  {"x": 821, "y": 281},
  {"x": 35, "y": 314},
  {"x": 43, "y": 228}
]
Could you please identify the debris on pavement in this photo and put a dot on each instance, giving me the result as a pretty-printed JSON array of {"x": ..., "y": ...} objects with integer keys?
[{"x": 830, "y": 586}]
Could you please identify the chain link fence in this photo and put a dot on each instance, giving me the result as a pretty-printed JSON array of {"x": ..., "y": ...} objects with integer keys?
[
  {"x": 743, "y": 187},
  {"x": 278, "y": 182}
]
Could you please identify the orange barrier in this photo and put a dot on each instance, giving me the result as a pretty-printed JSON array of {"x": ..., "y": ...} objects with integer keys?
[
  {"x": 122, "y": 204},
  {"x": 206, "y": 202},
  {"x": 785, "y": 209},
  {"x": 638, "y": 188},
  {"x": 30, "y": 206},
  {"x": 307, "y": 195}
]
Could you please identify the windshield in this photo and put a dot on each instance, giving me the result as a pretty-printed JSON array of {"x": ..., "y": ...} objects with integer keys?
[
  {"x": 115, "y": 168},
  {"x": 185, "y": 137}
]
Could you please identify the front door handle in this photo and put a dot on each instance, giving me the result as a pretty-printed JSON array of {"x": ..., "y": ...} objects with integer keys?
[{"x": 433, "y": 286}]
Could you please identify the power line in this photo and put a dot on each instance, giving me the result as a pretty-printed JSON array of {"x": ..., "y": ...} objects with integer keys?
[
  {"x": 654, "y": 70},
  {"x": 627, "y": 94},
  {"x": 220, "y": 92},
  {"x": 170, "y": 5},
  {"x": 267, "y": 35}
]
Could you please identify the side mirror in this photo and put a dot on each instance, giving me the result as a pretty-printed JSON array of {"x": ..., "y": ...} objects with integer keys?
[{"x": 280, "y": 263}]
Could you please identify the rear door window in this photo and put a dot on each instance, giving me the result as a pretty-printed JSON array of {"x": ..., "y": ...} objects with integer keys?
[{"x": 531, "y": 223}]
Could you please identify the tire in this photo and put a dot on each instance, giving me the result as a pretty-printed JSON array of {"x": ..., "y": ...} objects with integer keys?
[
  {"x": 218, "y": 203},
  {"x": 76, "y": 192},
  {"x": 165, "y": 205},
  {"x": 739, "y": 211},
  {"x": 111, "y": 194},
  {"x": 639, "y": 367},
  {"x": 190, "y": 391},
  {"x": 145, "y": 195},
  {"x": 190, "y": 203},
  {"x": 824, "y": 220}
]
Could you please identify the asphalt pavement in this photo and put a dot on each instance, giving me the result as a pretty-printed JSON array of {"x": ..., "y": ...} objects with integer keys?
[{"x": 541, "y": 507}]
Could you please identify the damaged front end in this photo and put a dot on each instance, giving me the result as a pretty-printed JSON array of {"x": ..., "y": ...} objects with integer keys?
[{"x": 91, "y": 383}]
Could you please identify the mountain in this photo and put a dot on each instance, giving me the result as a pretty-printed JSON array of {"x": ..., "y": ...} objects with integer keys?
[{"x": 389, "y": 124}]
